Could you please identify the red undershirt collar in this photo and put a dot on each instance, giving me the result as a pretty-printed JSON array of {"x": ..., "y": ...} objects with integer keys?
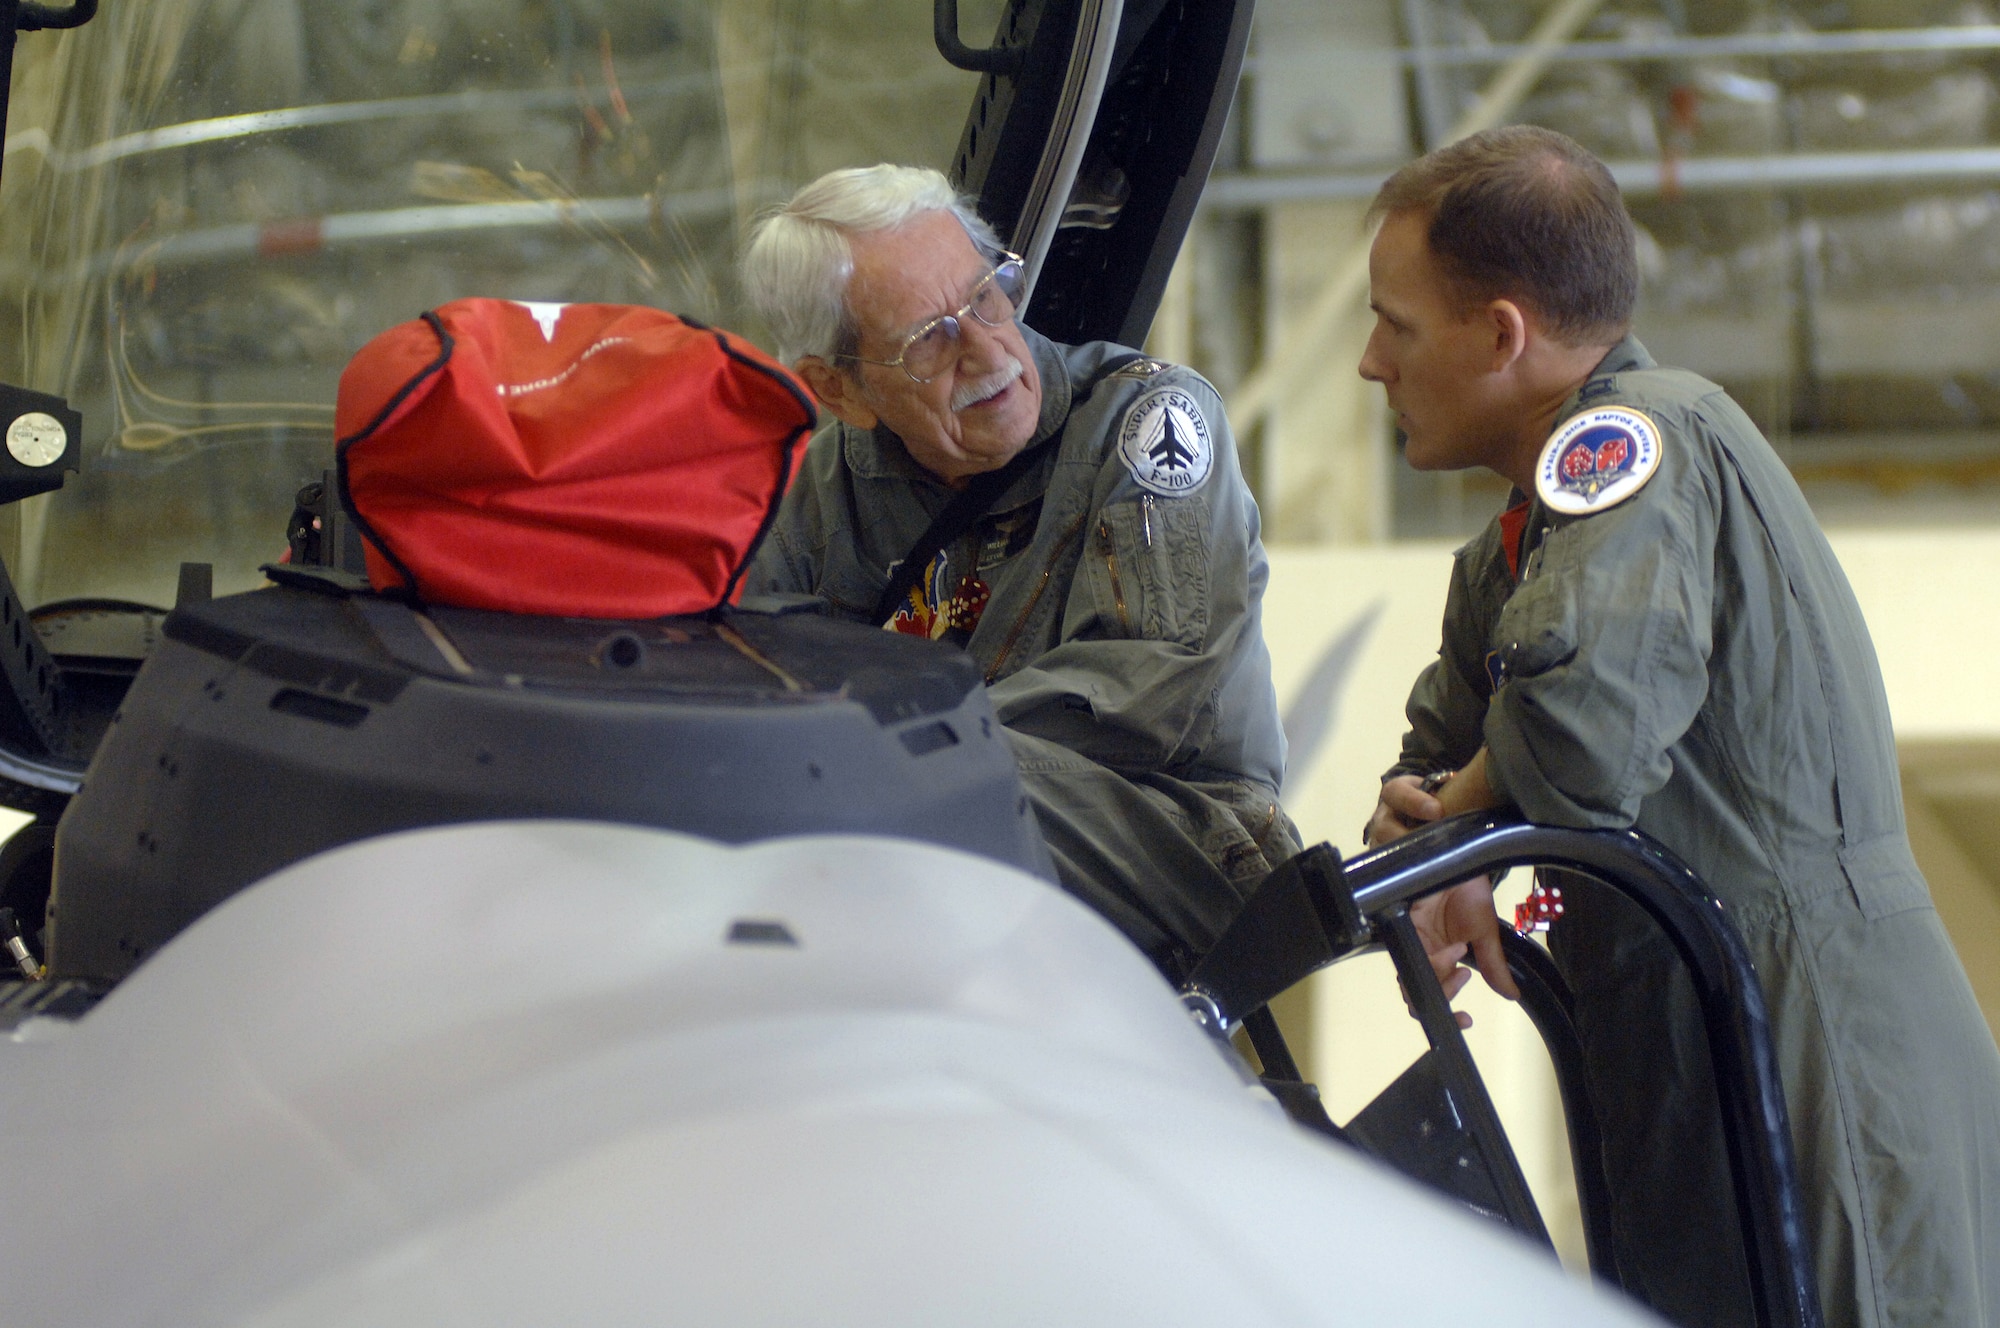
[{"x": 1513, "y": 522}]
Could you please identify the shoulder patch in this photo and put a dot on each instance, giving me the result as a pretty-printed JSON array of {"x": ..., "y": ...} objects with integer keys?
[
  {"x": 1596, "y": 460},
  {"x": 1165, "y": 444}
]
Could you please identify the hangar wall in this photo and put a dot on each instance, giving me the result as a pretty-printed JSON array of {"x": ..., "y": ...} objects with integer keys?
[{"x": 1817, "y": 189}]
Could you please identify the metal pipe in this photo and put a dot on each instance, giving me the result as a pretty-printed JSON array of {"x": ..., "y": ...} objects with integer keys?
[
  {"x": 1971, "y": 39},
  {"x": 1433, "y": 111},
  {"x": 1818, "y": 170},
  {"x": 476, "y": 101},
  {"x": 1546, "y": 1000},
  {"x": 1002, "y": 60},
  {"x": 307, "y": 235}
]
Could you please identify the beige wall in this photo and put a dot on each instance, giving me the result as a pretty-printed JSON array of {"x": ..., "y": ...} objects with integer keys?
[{"x": 1327, "y": 458}]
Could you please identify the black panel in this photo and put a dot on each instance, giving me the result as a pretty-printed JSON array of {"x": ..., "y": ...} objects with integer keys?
[
  {"x": 1416, "y": 1127},
  {"x": 1154, "y": 141},
  {"x": 1009, "y": 123},
  {"x": 275, "y": 724}
]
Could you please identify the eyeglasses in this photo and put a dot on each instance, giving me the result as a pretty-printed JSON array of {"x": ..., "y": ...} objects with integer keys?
[{"x": 928, "y": 351}]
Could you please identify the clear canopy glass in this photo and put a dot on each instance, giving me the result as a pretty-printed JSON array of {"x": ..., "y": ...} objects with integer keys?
[{"x": 210, "y": 205}]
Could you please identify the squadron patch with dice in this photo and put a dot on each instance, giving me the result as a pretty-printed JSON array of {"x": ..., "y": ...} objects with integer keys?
[
  {"x": 1164, "y": 441},
  {"x": 1597, "y": 460}
]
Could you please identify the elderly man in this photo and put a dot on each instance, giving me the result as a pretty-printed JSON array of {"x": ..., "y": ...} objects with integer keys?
[
  {"x": 1072, "y": 516},
  {"x": 1655, "y": 634}
]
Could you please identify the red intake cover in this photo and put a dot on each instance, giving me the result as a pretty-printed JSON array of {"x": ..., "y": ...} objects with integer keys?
[{"x": 582, "y": 460}]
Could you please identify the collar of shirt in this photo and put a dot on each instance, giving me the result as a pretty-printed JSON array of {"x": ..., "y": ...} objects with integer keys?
[
  {"x": 879, "y": 454},
  {"x": 1627, "y": 354},
  {"x": 1521, "y": 509}
]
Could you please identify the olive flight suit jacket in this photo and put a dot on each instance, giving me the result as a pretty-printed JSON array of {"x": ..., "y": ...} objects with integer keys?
[
  {"x": 1120, "y": 635},
  {"x": 1691, "y": 661}
]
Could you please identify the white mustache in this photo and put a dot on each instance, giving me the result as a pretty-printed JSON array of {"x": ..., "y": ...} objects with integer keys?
[{"x": 971, "y": 394}]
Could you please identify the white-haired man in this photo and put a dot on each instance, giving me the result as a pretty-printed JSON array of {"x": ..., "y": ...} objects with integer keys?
[{"x": 1073, "y": 516}]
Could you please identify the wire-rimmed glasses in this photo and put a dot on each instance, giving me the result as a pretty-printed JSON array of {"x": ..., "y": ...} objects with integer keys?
[{"x": 928, "y": 351}]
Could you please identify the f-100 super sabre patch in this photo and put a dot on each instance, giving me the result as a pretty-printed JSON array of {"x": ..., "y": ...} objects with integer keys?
[
  {"x": 1165, "y": 443},
  {"x": 1597, "y": 460}
]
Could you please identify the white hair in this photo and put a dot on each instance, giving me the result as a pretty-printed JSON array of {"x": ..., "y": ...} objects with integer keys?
[{"x": 796, "y": 266}]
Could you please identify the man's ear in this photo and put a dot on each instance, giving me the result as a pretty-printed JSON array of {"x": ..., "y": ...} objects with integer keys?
[
  {"x": 1509, "y": 328},
  {"x": 838, "y": 392}
]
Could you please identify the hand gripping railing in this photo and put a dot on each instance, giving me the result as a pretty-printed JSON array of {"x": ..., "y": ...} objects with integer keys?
[{"x": 1316, "y": 909}]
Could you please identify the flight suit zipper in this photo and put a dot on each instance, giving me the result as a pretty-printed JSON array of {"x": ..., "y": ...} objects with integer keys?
[
  {"x": 1041, "y": 587},
  {"x": 1117, "y": 586}
]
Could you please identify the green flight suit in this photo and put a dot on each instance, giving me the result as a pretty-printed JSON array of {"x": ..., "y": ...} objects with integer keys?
[
  {"x": 1119, "y": 632},
  {"x": 1692, "y": 662}
]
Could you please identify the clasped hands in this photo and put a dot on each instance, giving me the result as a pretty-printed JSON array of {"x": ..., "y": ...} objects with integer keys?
[{"x": 1457, "y": 926}]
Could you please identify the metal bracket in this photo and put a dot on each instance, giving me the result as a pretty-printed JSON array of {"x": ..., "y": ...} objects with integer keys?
[
  {"x": 1207, "y": 1015},
  {"x": 1300, "y": 919}
]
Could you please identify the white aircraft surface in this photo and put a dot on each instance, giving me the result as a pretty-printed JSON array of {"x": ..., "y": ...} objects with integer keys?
[{"x": 541, "y": 1073}]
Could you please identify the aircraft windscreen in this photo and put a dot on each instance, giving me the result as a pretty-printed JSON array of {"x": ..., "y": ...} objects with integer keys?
[{"x": 209, "y": 205}]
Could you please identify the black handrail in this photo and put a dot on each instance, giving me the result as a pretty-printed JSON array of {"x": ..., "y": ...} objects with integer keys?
[
  {"x": 1004, "y": 60},
  {"x": 1383, "y": 882},
  {"x": 32, "y": 17}
]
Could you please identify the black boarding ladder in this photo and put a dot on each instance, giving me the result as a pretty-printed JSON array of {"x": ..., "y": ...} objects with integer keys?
[{"x": 1436, "y": 1123}]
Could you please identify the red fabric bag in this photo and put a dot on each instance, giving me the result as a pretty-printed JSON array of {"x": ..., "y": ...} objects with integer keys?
[{"x": 582, "y": 460}]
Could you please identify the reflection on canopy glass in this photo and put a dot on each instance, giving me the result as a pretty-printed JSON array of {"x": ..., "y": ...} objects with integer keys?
[{"x": 209, "y": 205}]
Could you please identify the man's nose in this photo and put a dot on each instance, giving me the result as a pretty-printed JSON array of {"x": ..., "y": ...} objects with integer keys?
[
  {"x": 1372, "y": 366},
  {"x": 979, "y": 346}
]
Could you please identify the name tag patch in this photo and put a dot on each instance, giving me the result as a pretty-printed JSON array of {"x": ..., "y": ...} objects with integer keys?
[
  {"x": 1597, "y": 460},
  {"x": 1165, "y": 444}
]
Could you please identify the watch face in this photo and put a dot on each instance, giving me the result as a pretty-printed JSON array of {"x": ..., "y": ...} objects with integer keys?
[{"x": 37, "y": 439}]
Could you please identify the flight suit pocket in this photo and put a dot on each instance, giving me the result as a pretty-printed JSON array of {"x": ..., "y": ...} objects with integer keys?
[
  {"x": 1154, "y": 566},
  {"x": 1537, "y": 629},
  {"x": 1884, "y": 876}
]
